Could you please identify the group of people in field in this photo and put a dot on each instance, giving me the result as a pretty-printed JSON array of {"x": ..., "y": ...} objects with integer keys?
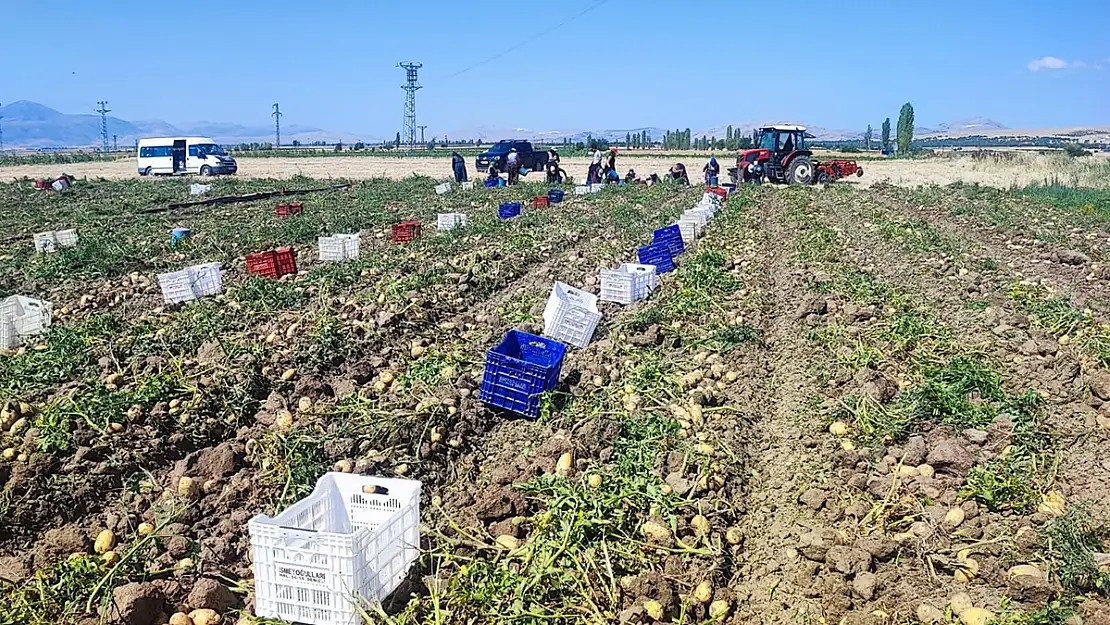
[{"x": 602, "y": 170}]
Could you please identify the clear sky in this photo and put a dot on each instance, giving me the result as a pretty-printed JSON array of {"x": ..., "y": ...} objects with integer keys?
[{"x": 622, "y": 64}]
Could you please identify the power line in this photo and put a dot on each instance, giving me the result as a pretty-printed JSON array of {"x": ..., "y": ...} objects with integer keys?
[
  {"x": 277, "y": 125},
  {"x": 1, "y": 134},
  {"x": 529, "y": 40}
]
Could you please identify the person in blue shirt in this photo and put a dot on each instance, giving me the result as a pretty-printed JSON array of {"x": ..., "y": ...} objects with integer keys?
[{"x": 712, "y": 170}]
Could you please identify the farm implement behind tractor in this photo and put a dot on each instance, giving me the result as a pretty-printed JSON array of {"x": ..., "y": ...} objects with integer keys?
[{"x": 782, "y": 157}]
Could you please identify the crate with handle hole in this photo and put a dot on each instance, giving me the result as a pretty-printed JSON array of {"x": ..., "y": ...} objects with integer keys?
[
  {"x": 450, "y": 221},
  {"x": 720, "y": 192},
  {"x": 405, "y": 231},
  {"x": 344, "y": 547},
  {"x": 288, "y": 209},
  {"x": 508, "y": 210},
  {"x": 671, "y": 236},
  {"x": 22, "y": 317},
  {"x": 628, "y": 283},
  {"x": 466, "y": 186},
  {"x": 206, "y": 279},
  {"x": 45, "y": 243},
  {"x": 444, "y": 188},
  {"x": 272, "y": 263},
  {"x": 691, "y": 229},
  {"x": 519, "y": 370},
  {"x": 555, "y": 196},
  {"x": 657, "y": 254},
  {"x": 571, "y": 315},
  {"x": 338, "y": 248},
  {"x": 541, "y": 201}
]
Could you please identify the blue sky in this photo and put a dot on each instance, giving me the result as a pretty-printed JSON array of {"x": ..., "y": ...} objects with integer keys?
[{"x": 622, "y": 64}]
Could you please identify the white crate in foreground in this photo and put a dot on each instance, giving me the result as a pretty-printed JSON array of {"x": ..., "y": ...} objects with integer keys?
[
  {"x": 51, "y": 240},
  {"x": 450, "y": 221},
  {"x": 190, "y": 283},
  {"x": 571, "y": 315},
  {"x": 691, "y": 229},
  {"x": 467, "y": 185},
  {"x": 339, "y": 247},
  {"x": 206, "y": 279},
  {"x": 350, "y": 543},
  {"x": 443, "y": 188},
  {"x": 628, "y": 283},
  {"x": 22, "y": 317}
]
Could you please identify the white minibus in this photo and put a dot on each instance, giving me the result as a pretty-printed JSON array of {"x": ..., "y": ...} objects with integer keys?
[{"x": 183, "y": 155}]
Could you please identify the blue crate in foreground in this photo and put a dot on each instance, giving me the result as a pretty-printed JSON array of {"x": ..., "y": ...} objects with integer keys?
[
  {"x": 671, "y": 236},
  {"x": 508, "y": 210},
  {"x": 657, "y": 254},
  {"x": 521, "y": 368}
]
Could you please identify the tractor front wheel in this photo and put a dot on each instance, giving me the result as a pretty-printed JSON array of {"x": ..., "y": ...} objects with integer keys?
[
  {"x": 800, "y": 171},
  {"x": 859, "y": 173}
]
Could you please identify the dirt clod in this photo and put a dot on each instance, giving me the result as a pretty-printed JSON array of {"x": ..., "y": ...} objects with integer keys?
[{"x": 138, "y": 604}]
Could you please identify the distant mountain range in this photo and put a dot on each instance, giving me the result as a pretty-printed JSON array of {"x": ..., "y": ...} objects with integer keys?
[{"x": 32, "y": 125}]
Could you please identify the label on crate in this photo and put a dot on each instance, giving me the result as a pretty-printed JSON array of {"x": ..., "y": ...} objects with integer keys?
[{"x": 301, "y": 575}]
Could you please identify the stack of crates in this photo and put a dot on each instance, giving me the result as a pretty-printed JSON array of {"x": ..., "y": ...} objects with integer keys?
[
  {"x": 657, "y": 254},
  {"x": 720, "y": 192},
  {"x": 347, "y": 545},
  {"x": 540, "y": 201},
  {"x": 450, "y": 221},
  {"x": 273, "y": 263},
  {"x": 22, "y": 317},
  {"x": 571, "y": 315},
  {"x": 519, "y": 370},
  {"x": 406, "y": 231},
  {"x": 508, "y": 210},
  {"x": 338, "y": 248},
  {"x": 671, "y": 236},
  {"x": 628, "y": 283},
  {"x": 288, "y": 209}
]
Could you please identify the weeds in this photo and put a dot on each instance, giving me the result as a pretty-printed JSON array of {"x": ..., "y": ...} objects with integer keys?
[{"x": 1073, "y": 543}]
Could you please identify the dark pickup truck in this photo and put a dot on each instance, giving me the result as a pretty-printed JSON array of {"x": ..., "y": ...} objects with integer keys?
[{"x": 529, "y": 158}]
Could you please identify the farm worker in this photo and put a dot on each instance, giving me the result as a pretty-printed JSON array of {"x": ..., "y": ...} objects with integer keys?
[
  {"x": 630, "y": 177},
  {"x": 552, "y": 155},
  {"x": 493, "y": 178},
  {"x": 678, "y": 174},
  {"x": 554, "y": 174},
  {"x": 610, "y": 162},
  {"x": 458, "y": 165},
  {"x": 593, "y": 176},
  {"x": 711, "y": 169},
  {"x": 513, "y": 162}
]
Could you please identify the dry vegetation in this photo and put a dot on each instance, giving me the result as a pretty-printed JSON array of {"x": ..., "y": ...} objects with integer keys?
[{"x": 883, "y": 405}]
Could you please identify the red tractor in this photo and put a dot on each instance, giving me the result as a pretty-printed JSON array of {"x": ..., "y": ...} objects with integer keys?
[{"x": 781, "y": 156}]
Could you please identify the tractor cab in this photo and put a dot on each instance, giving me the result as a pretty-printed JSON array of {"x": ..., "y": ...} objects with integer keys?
[{"x": 780, "y": 156}]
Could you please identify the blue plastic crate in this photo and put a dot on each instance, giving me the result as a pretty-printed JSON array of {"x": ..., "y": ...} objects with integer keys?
[
  {"x": 555, "y": 196},
  {"x": 672, "y": 237},
  {"x": 657, "y": 254},
  {"x": 508, "y": 210},
  {"x": 519, "y": 370}
]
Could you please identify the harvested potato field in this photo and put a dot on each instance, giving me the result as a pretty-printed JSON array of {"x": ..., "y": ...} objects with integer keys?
[{"x": 845, "y": 405}]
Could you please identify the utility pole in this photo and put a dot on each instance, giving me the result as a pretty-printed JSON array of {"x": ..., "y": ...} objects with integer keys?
[
  {"x": 277, "y": 125},
  {"x": 422, "y": 132},
  {"x": 410, "y": 87},
  {"x": 103, "y": 110},
  {"x": 1, "y": 134},
  {"x": 115, "y": 143}
]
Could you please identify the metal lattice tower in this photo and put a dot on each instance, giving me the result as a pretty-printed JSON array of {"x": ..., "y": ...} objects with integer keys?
[
  {"x": 115, "y": 143},
  {"x": 408, "y": 135},
  {"x": 1, "y": 134},
  {"x": 277, "y": 125},
  {"x": 422, "y": 127},
  {"x": 103, "y": 110}
]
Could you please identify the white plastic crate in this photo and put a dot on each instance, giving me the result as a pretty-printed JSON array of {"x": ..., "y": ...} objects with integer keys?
[
  {"x": 628, "y": 283},
  {"x": 586, "y": 189},
  {"x": 691, "y": 229},
  {"x": 206, "y": 279},
  {"x": 338, "y": 248},
  {"x": 350, "y": 543},
  {"x": 22, "y": 317},
  {"x": 350, "y": 245},
  {"x": 443, "y": 188},
  {"x": 45, "y": 242},
  {"x": 450, "y": 221},
  {"x": 66, "y": 238},
  {"x": 699, "y": 215},
  {"x": 176, "y": 287},
  {"x": 467, "y": 185},
  {"x": 571, "y": 315}
]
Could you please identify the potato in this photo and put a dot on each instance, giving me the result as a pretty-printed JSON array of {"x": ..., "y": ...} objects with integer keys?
[
  {"x": 734, "y": 536},
  {"x": 205, "y": 616},
  {"x": 704, "y": 449},
  {"x": 594, "y": 481},
  {"x": 703, "y": 592},
  {"x": 110, "y": 558},
  {"x": 18, "y": 427},
  {"x": 1053, "y": 504},
  {"x": 180, "y": 618},
  {"x": 401, "y": 469},
  {"x": 9, "y": 453},
  {"x": 105, "y": 542},
  {"x": 926, "y": 470},
  {"x": 700, "y": 525},
  {"x": 564, "y": 464},
  {"x": 386, "y": 378},
  {"x": 960, "y": 602},
  {"x": 718, "y": 609},
  {"x": 186, "y": 487},
  {"x": 288, "y": 374},
  {"x": 343, "y": 466},
  {"x": 1025, "y": 570},
  {"x": 115, "y": 378},
  {"x": 656, "y": 532},
  {"x": 185, "y": 564},
  {"x": 666, "y": 489},
  {"x": 968, "y": 570},
  {"x": 953, "y": 518},
  {"x": 304, "y": 404},
  {"x": 284, "y": 420},
  {"x": 508, "y": 541},
  {"x": 838, "y": 428},
  {"x": 22, "y": 457},
  {"x": 976, "y": 616},
  {"x": 928, "y": 614},
  {"x": 145, "y": 529},
  {"x": 654, "y": 609}
]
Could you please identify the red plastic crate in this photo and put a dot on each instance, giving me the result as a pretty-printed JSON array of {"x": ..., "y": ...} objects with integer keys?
[
  {"x": 540, "y": 201},
  {"x": 285, "y": 261},
  {"x": 263, "y": 264},
  {"x": 721, "y": 191},
  {"x": 406, "y": 231},
  {"x": 288, "y": 209}
]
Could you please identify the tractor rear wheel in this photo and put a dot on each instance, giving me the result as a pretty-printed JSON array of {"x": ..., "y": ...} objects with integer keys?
[{"x": 800, "y": 171}]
